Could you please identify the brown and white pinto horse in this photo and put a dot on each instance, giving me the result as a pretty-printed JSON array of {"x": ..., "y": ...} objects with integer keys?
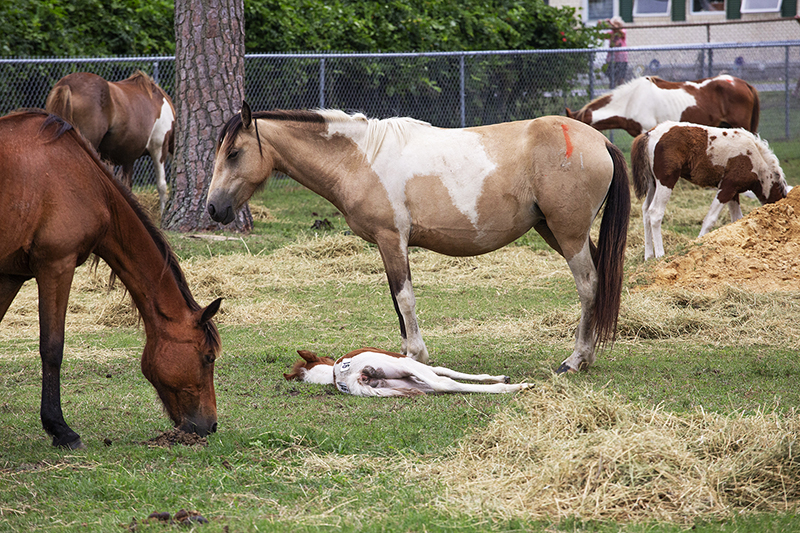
[
  {"x": 122, "y": 120},
  {"x": 400, "y": 182},
  {"x": 643, "y": 103},
  {"x": 373, "y": 372},
  {"x": 732, "y": 160},
  {"x": 60, "y": 204}
]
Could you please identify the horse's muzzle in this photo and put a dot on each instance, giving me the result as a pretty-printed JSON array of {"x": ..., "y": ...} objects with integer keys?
[{"x": 223, "y": 215}]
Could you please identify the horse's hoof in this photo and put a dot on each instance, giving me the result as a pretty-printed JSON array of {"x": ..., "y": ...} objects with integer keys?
[
  {"x": 76, "y": 444},
  {"x": 506, "y": 379},
  {"x": 565, "y": 369}
]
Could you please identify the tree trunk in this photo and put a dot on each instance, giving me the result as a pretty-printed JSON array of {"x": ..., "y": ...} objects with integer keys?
[{"x": 209, "y": 88}]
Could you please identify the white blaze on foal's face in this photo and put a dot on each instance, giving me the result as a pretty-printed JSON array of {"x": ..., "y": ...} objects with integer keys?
[{"x": 398, "y": 150}]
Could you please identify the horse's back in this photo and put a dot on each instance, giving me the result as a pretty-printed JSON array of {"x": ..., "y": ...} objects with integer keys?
[
  {"x": 90, "y": 102},
  {"x": 53, "y": 194}
]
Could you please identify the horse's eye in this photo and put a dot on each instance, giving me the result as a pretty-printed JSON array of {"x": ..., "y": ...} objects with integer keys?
[
  {"x": 233, "y": 155},
  {"x": 210, "y": 358}
]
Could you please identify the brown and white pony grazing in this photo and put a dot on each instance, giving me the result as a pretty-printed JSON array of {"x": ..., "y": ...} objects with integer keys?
[
  {"x": 643, "y": 103},
  {"x": 373, "y": 372},
  {"x": 732, "y": 160},
  {"x": 401, "y": 182},
  {"x": 60, "y": 205},
  {"x": 122, "y": 120}
]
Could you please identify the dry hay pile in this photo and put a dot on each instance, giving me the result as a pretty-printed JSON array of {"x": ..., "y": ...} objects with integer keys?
[
  {"x": 760, "y": 252},
  {"x": 563, "y": 450}
]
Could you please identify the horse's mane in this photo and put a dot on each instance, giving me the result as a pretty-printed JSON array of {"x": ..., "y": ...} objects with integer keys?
[
  {"x": 768, "y": 155},
  {"x": 63, "y": 127},
  {"x": 144, "y": 81},
  {"x": 377, "y": 130}
]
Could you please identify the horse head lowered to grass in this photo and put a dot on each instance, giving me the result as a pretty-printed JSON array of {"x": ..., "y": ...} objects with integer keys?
[
  {"x": 643, "y": 103},
  {"x": 732, "y": 160},
  {"x": 60, "y": 205},
  {"x": 400, "y": 182},
  {"x": 122, "y": 120}
]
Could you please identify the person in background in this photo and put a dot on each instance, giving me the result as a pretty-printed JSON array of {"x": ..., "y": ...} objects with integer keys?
[{"x": 616, "y": 62}]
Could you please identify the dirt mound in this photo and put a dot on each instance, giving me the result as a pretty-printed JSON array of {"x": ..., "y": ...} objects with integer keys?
[
  {"x": 760, "y": 252},
  {"x": 176, "y": 436}
]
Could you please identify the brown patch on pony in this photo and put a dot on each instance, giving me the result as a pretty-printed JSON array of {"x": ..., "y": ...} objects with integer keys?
[{"x": 376, "y": 350}]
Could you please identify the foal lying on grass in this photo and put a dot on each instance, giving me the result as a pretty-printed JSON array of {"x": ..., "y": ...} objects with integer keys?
[{"x": 372, "y": 372}]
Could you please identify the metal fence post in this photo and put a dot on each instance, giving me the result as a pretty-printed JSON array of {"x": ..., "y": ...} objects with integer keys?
[
  {"x": 591, "y": 76},
  {"x": 155, "y": 73},
  {"x": 462, "y": 81},
  {"x": 322, "y": 83},
  {"x": 786, "y": 90}
]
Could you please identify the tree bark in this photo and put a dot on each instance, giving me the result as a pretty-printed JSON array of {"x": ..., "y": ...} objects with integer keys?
[{"x": 209, "y": 88}]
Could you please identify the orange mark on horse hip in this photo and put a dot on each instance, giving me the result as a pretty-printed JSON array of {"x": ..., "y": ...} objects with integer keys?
[{"x": 567, "y": 139}]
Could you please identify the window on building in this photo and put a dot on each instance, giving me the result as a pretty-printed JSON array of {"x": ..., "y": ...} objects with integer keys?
[
  {"x": 708, "y": 6},
  {"x": 761, "y": 6},
  {"x": 651, "y": 7},
  {"x": 601, "y": 9}
]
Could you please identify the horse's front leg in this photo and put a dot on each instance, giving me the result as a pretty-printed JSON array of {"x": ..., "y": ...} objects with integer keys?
[
  {"x": 585, "y": 274},
  {"x": 53, "y": 298},
  {"x": 394, "y": 253}
]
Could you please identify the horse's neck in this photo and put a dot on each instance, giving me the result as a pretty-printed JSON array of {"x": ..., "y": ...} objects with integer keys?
[
  {"x": 310, "y": 158},
  {"x": 136, "y": 260}
]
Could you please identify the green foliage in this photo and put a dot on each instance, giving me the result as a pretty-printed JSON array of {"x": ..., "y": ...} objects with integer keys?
[
  {"x": 421, "y": 26},
  {"x": 86, "y": 27},
  {"x": 133, "y": 27}
]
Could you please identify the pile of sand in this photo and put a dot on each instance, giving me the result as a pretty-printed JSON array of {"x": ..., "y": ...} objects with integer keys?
[{"x": 760, "y": 252}]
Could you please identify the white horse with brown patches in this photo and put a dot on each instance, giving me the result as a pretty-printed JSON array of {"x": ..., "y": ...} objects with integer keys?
[
  {"x": 400, "y": 182},
  {"x": 644, "y": 103},
  {"x": 373, "y": 372},
  {"x": 732, "y": 160}
]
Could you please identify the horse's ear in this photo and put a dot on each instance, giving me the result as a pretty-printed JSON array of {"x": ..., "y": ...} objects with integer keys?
[
  {"x": 210, "y": 311},
  {"x": 247, "y": 115},
  {"x": 570, "y": 114}
]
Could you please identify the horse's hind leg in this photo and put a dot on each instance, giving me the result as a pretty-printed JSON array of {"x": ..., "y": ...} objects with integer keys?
[
  {"x": 53, "y": 298},
  {"x": 398, "y": 272},
  {"x": 585, "y": 274},
  {"x": 655, "y": 214}
]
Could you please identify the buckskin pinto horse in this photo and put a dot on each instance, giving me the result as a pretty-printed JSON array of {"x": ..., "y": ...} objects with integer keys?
[
  {"x": 400, "y": 182},
  {"x": 643, "y": 103},
  {"x": 122, "y": 120},
  {"x": 732, "y": 160},
  {"x": 373, "y": 372},
  {"x": 60, "y": 204}
]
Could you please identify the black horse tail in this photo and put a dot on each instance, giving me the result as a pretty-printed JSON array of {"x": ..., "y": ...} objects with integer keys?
[
  {"x": 59, "y": 102},
  {"x": 643, "y": 177},
  {"x": 610, "y": 255}
]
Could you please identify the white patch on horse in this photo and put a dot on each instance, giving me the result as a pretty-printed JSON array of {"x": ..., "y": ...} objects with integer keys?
[
  {"x": 399, "y": 149},
  {"x": 161, "y": 126},
  {"x": 643, "y": 99}
]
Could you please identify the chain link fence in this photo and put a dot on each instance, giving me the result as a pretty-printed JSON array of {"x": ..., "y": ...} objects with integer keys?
[{"x": 449, "y": 89}]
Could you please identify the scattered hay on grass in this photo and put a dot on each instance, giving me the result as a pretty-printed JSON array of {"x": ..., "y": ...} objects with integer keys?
[
  {"x": 752, "y": 318},
  {"x": 563, "y": 450}
]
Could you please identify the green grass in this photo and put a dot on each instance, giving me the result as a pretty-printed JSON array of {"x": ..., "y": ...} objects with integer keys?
[{"x": 268, "y": 468}]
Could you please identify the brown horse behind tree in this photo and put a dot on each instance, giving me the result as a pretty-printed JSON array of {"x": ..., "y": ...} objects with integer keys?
[
  {"x": 122, "y": 120},
  {"x": 60, "y": 204}
]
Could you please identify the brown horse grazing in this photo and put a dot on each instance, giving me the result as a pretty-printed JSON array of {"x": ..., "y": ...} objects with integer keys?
[
  {"x": 122, "y": 120},
  {"x": 60, "y": 204},
  {"x": 643, "y": 103},
  {"x": 732, "y": 160},
  {"x": 400, "y": 182}
]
